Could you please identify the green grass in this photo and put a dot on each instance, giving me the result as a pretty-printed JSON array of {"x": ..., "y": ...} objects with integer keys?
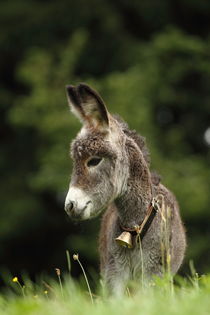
[{"x": 190, "y": 296}]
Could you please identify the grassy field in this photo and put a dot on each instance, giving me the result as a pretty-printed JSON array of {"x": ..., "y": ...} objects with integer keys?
[{"x": 65, "y": 296}]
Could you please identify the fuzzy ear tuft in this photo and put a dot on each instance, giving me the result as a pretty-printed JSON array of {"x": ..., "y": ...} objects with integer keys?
[
  {"x": 74, "y": 102},
  {"x": 88, "y": 106}
]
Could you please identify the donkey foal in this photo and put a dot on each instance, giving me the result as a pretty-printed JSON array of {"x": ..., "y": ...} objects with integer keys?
[{"x": 111, "y": 171}]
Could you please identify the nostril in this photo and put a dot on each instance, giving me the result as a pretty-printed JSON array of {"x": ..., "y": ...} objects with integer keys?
[{"x": 71, "y": 205}]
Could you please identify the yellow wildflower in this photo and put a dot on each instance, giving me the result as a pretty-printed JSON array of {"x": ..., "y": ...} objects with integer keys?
[{"x": 15, "y": 279}]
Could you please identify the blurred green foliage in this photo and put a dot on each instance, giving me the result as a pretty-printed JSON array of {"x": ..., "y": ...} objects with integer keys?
[{"x": 150, "y": 61}]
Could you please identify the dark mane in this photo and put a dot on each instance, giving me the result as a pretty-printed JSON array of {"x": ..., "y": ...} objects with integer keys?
[{"x": 141, "y": 142}]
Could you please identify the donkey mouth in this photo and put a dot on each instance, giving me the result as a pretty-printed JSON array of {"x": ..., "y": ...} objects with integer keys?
[{"x": 77, "y": 214}]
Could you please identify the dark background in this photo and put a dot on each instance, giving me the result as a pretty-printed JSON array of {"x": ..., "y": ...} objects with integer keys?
[{"x": 150, "y": 60}]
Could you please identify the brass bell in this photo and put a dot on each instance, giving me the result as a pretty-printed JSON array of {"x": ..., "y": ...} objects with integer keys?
[{"x": 125, "y": 239}]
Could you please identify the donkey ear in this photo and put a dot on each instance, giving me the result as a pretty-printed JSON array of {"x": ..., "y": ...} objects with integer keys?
[
  {"x": 88, "y": 106},
  {"x": 74, "y": 102},
  {"x": 93, "y": 107}
]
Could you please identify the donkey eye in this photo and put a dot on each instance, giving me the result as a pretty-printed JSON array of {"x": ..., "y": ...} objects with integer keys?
[{"x": 94, "y": 161}]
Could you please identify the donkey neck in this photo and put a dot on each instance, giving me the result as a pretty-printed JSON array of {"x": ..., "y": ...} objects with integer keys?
[{"x": 133, "y": 204}]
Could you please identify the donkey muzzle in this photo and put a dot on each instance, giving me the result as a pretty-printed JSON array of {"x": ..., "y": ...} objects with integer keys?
[
  {"x": 76, "y": 213},
  {"x": 78, "y": 204}
]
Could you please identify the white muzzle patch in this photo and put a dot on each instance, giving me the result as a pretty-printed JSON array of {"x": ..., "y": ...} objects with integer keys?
[{"x": 78, "y": 203}]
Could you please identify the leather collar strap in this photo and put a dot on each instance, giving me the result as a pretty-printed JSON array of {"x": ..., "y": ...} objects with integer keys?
[{"x": 144, "y": 226}]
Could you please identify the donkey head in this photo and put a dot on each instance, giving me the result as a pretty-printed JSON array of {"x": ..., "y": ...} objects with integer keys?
[{"x": 99, "y": 157}]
